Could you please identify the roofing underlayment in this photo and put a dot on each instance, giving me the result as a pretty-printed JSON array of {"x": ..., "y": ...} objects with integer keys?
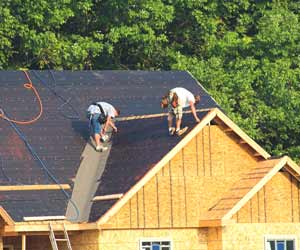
[{"x": 60, "y": 141}]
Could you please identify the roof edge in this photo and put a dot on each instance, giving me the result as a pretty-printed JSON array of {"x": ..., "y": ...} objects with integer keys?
[
  {"x": 215, "y": 223},
  {"x": 214, "y": 112},
  {"x": 284, "y": 161},
  {"x": 43, "y": 226},
  {"x": 242, "y": 134},
  {"x": 196, "y": 80},
  {"x": 6, "y": 217},
  {"x": 157, "y": 167}
]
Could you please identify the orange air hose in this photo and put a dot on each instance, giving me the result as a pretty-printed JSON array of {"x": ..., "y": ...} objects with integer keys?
[{"x": 29, "y": 86}]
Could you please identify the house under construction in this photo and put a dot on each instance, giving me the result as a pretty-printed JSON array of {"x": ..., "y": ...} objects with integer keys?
[{"x": 212, "y": 189}]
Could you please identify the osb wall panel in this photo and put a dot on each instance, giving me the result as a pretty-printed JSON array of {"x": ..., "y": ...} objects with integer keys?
[
  {"x": 193, "y": 181},
  {"x": 214, "y": 238},
  {"x": 182, "y": 239},
  {"x": 250, "y": 236},
  {"x": 277, "y": 201},
  {"x": 88, "y": 240}
]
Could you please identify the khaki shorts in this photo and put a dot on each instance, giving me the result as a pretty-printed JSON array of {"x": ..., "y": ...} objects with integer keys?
[{"x": 177, "y": 112}]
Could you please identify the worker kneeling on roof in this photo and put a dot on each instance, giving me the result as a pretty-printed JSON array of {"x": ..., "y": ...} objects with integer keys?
[
  {"x": 101, "y": 116},
  {"x": 177, "y": 99}
]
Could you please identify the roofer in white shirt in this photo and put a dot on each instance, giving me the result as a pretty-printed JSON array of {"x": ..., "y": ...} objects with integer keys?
[
  {"x": 177, "y": 99},
  {"x": 100, "y": 115}
]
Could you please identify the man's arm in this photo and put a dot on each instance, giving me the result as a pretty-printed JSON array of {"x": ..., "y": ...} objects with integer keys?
[
  {"x": 112, "y": 124},
  {"x": 109, "y": 122},
  {"x": 106, "y": 124},
  {"x": 194, "y": 111}
]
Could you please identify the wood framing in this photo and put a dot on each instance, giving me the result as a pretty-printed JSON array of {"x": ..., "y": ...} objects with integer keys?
[
  {"x": 274, "y": 166},
  {"x": 23, "y": 242},
  {"x": 242, "y": 134},
  {"x": 43, "y": 226},
  {"x": 107, "y": 197},
  {"x": 258, "y": 186},
  {"x": 136, "y": 117},
  {"x": 5, "y": 216},
  {"x": 44, "y": 218},
  {"x": 206, "y": 120},
  {"x": 157, "y": 167},
  {"x": 34, "y": 187}
]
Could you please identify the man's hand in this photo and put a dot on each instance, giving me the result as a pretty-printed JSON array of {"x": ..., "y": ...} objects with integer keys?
[
  {"x": 197, "y": 120},
  {"x": 115, "y": 129}
]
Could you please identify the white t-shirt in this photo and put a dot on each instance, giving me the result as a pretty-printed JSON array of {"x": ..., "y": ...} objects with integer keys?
[
  {"x": 184, "y": 96},
  {"x": 108, "y": 109}
]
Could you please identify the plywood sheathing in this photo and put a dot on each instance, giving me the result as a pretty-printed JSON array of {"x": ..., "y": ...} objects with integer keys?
[
  {"x": 214, "y": 238},
  {"x": 278, "y": 201},
  {"x": 250, "y": 236},
  {"x": 251, "y": 193},
  {"x": 188, "y": 184},
  {"x": 192, "y": 239},
  {"x": 6, "y": 217},
  {"x": 39, "y": 227},
  {"x": 239, "y": 191},
  {"x": 205, "y": 158}
]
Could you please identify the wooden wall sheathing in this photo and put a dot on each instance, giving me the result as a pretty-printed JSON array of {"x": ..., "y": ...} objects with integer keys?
[
  {"x": 214, "y": 238},
  {"x": 191, "y": 239},
  {"x": 251, "y": 236},
  {"x": 188, "y": 185},
  {"x": 278, "y": 201}
]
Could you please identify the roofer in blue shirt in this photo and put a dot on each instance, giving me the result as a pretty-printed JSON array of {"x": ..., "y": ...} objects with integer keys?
[{"x": 101, "y": 116}]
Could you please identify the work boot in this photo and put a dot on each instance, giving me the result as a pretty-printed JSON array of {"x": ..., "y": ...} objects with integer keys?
[
  {"x": 171, "y": 131},
  {"x": 101, "y": 148},
  {"x": 181, "y": 131},
  {"x": 104, "y": 138}
]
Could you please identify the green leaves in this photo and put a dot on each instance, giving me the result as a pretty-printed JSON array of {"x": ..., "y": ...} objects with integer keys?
[{"x": 245, "y": 52}]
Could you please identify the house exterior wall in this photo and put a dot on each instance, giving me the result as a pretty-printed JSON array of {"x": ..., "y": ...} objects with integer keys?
[
  {"x": 249, "y": 236},
  {"x": 32, "y": 242},
  {"x": 189, "y": 239},
  {"x": 194, "y": 180},
  {"x": 87, "y": 240},
  {"x": 214, "y": 238},
  {"x": 277, "y": 201}
]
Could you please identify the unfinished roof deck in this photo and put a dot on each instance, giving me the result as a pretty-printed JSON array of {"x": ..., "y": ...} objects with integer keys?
[{"x": 60, "y": 141}]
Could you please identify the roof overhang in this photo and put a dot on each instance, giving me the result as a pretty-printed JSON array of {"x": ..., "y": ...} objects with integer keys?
[
  {"x": 285, "y": 162},
  {"x": 43, "y": 227},
  {"x": 211, "y": 115}
]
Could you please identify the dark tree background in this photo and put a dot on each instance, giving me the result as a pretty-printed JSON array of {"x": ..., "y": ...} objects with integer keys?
[{"x": 245, "y": 52}]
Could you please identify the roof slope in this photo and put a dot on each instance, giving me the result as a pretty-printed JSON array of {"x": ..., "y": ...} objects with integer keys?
[
  {"x": 59, "y": 141},
  {"x": 245, "y": 189},
  {"x": 109, "y": 208},
  {"x": 139, "y": 146},
  {"x": 21, "y": 204}
]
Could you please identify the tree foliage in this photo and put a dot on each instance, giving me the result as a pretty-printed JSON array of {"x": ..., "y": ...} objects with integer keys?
[{"x": 245, "y": 52}]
